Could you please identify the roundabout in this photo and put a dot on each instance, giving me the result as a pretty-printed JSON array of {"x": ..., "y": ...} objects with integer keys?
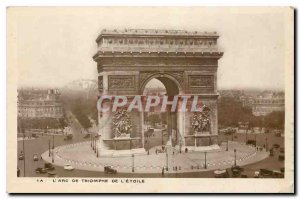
[{"x": 81, "y": 156}]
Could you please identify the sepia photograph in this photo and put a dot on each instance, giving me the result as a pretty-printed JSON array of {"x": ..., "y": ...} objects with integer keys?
[{"x": 150, "y": 99}]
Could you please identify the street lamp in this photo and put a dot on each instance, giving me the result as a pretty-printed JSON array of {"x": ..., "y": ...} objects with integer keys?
[
  {"x": 49, "y": 147},
  {"x": 132, "y": 163},
  {"x": 255, "y": 139},
  {"x": 205, "y": 165},
  {"x": 266, "y": 143},
  {"x": 235, "y": 157},
  {"x": 167, "y": 162},
  {"x": 53, "y": 149},
  {"x": 227, "y": 143},
  {"x": 24, "y": 149}
]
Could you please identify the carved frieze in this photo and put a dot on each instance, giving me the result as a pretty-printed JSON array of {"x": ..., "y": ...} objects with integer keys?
[
  {"x": 201, "y": 81},
  {"x": 100, "y": 83},
  {"x": 121, "y": 82}
]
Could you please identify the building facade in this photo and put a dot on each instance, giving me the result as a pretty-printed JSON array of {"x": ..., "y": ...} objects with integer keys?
[
  {"x": 268, "y": 103},
  {"x": 40, "y": 103}
]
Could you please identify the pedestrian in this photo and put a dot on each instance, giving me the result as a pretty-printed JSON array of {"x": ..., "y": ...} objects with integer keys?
[{"x": 163, "y": 171}]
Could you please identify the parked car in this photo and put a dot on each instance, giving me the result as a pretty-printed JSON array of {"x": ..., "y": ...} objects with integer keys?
[
  {"x": 69, "y": 167},
  {"x": 109, "y": 170},
  {"x": 87, "y": 135},
  {"x": 276, "y": 146},
  {"x": 265, "y": 173},
  {"x": 280, "y": 157},
  {"x": 278, "y": 174},
  {"x": 40, "y": 170},
  {"x": 49, "y": 167},
  {"x": 251, "y": 142},
  {"x": 221, "y": 173},
  {"x": 21, "y": 156},
  {"x": 68, "y": 137},
  {"x": 35, "y": 157},
  {"x": 51, "y": 174},
  {"x": 18, "y": 172}
]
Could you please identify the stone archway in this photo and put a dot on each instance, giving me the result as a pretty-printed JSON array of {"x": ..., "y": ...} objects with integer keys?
[{"x": 186, "y": 62}]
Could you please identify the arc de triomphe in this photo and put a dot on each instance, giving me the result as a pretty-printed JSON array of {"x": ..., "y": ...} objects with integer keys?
[{"x": 185, "y": 62}]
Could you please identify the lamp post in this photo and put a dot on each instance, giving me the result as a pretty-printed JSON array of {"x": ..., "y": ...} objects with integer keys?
[
  {"x": 49, "y": 147},
  {"x": 205, "y": 165},
  {"x": 53, "y": 149},
  {"x": 227, "y": 143},
  {"x": 24, "y": 149},
  {"x": 132, "y": 163},
  {"x": 235, "y": 157},
  {"x": 266, "y": 143},
  {"x": 167, "y": 162},
  {"x": 255, "y": 139}
]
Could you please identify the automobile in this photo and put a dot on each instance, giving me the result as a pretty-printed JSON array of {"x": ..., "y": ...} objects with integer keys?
[
  {"x": 109, "y": 170},
  {"x": 40, "y": 170},
  {"x": 256, "y": 174},
  {"x": 265, "y": 173},
  {"x": 49, "y": 167},
  {"x": 51, "y": 174},
  {"x": 21, "y": 156},
  {"x": 68, "y": 137},
  {"x": 237, "y": 168},
  {"x": 18, "y": 172},
  {"x": 277, "y": 174},
  {"x": 35, "y": 157},
  {"x": 244, "y": 176},
  {"x": 276, "y": 146},
  {"x": 280, "y": 157},
  {"x": 87, "y": 135},
  {"x": 281, "y": 150},
  {"x": 221, "y": 173},
  {"x": 68, "y": 167},
  {"x": 251, "y": 142}
]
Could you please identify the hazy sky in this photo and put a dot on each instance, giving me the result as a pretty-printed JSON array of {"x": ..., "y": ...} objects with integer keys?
[{"x": 56, "y": 45}]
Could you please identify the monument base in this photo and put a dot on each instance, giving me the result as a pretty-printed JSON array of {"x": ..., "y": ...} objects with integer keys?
[
  {"x": 213, "y": 147},
  {"x": 115, "y": 153}
]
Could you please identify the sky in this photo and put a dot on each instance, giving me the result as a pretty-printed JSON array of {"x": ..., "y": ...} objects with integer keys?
[{"x": 55, "y": 45}]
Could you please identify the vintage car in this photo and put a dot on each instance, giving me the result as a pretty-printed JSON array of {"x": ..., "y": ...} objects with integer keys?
[
  {"x": 280, "y": 157},
  {"x": 265, "y": 173},
  {"x": 35, "y": 157},
  {"x": 87, "y": 135},
  {"x": 109, "y": 170},
  {"x": 18, "y": 172},
  {"x": 278, "y": 174},
  {"x": 40, "y": 170},
  {"x": 68, "y": 167},
  {"x": 221, "y": 173},
  {"x": 51, "y": 174},
  {"x": 68, "y": 137},
  {"x": 21, "y": 156},
  {"x": 276, "y": 146},
  {"x": 49, "y": 167}
]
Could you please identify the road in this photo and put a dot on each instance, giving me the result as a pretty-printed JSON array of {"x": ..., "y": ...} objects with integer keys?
[{"x": 41, "y": 144}]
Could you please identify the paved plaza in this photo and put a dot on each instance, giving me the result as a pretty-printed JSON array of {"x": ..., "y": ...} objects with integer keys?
[{"x": 154, "y": 163}]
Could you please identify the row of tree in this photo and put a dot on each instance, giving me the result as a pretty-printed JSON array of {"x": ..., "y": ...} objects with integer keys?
[
  {"x": 231, "y": 112},
  {"x": 42, "y": 123}
]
